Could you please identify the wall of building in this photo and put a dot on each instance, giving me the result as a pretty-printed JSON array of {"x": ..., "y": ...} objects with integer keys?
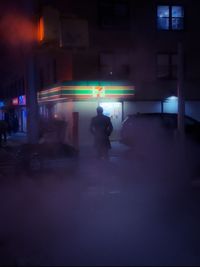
[
  {"x": 193, "y": 109},
  {"x": 54, "y": 66},
  {"x": 140, "y": 43},
  {"x": 86, "y": 110},
  {"x": 63, "y": 110}
]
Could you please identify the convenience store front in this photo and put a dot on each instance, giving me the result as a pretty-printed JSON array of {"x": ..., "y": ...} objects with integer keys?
[{"x": 76, "y": 103}]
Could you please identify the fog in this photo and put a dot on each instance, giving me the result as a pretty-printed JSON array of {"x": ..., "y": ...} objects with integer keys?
[{"x": 137, "y": 208}]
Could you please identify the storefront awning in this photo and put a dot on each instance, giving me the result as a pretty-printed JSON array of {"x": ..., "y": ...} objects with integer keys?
[{"x": 87, "y": 90}]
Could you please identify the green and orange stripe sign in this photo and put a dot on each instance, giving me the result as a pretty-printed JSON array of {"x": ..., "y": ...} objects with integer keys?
[{"x": 78, "y": 92}]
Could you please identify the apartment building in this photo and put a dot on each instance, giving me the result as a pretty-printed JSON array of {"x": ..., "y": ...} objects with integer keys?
[{"x": 120, "y": 54}]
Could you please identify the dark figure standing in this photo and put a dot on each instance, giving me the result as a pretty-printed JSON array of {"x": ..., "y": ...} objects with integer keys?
[
  {"x": 101, "y": 127},
  {"x": 15, "y": 124},
  {"x": 3, "y": 132}
]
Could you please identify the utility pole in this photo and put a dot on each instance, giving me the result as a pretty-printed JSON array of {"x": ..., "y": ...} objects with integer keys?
[
  {"x": 31, "y": 97},
  {"x": 181, "y": 150},
  {"x": 32, "y": 80},
  {"x": 180, "y": 93}
]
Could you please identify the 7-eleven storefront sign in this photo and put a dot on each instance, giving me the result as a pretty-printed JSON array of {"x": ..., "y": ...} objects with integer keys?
[
  {"x": 88, "y": 90},
  {"x": 98, "y": 91}
]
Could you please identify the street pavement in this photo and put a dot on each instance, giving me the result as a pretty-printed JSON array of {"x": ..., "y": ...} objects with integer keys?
[{"x": 137, "y": 208}]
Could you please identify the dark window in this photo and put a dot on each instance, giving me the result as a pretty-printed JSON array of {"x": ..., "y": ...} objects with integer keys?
[
  {"x": 114, "y": 66},
  {"x": 166, "y": 66},
  {"x": 114, "y": 14},
  {"x": 107, "y": 65},
  {"x": 170, "y": 17}
]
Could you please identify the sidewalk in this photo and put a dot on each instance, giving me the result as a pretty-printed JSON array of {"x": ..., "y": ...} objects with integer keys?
[
  {"x": 85, "y": 150},
  {"x": 118, "y": 154},
  {"x": 86, "y": 153},
  {"x": 16, "y": 139}
]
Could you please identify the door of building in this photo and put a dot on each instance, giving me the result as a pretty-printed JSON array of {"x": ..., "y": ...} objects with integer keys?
[{"x": 114, "y": 111}]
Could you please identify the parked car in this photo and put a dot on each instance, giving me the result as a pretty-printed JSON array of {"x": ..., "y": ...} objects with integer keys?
[{"x": 155, "y": 124}]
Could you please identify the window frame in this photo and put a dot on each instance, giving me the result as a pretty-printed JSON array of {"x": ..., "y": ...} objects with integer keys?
[{"x": 170, "y": 17}]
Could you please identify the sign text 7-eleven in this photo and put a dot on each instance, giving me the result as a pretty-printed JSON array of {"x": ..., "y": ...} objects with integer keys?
[{"x": 98, "y": 91}]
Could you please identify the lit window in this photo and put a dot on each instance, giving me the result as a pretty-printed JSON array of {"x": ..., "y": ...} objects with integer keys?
[
  {"x": 170, "y": 17},
  {"x": 41, "y": 29},
  {"x": 177, "y": 17},
  {"x": 163, "y": 17},
  {"x": 166, "y": 66}
]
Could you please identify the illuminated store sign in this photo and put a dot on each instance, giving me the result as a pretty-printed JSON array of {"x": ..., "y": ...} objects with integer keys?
[
  {"x": 15, "y": 101},
  {"x": 88, "y": 90},
  {"x": 2, "y": 104},
  {"x": 22, "y": 100}
]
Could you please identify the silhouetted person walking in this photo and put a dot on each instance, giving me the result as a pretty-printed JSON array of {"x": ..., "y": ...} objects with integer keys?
[
  {"x": 3, "y": 132},
  {"x": 101, "y": 127}
]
